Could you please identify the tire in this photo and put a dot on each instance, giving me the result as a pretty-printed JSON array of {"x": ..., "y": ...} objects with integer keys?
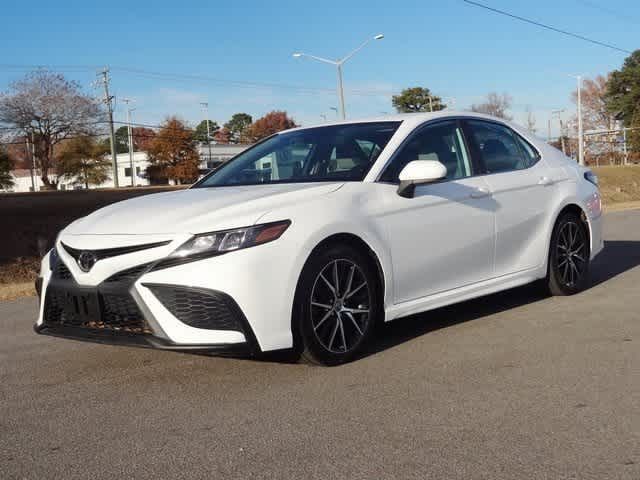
[
  {"x": 334, "y": 324},
  {"x": 569, "y": 253}
]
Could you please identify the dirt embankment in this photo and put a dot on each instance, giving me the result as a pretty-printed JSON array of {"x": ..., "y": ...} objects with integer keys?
[{"x": 619, "y": 184}]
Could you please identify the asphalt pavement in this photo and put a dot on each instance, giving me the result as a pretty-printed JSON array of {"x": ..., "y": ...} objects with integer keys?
[{"x": 514, "y": 385}]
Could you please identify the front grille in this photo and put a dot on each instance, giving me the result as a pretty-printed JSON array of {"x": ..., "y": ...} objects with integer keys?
[
  {"x": 128, "y": 276},
  {"x": 112, "y": 252},
  {"x": 61, "y": 271},
  {"x": 117, "y": 312},
  {"x": 197, "y": 307}
]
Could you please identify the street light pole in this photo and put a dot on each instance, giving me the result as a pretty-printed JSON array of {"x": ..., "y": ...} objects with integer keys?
[
  {"x": 580, "y": 131},
  {"x": 205, "y": 107},
  {"x": 341, "y": 92},
  {"x": 130, "y": 140},
  {"x": 338, "y": 64}
]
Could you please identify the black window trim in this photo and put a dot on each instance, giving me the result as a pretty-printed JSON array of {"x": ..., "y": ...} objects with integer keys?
[
  {"x": 476, "y": 152},
  {"x": 473, "y": 162},
  {"x": 396, "y": 124},
  {"x": 477, "y": 165}
]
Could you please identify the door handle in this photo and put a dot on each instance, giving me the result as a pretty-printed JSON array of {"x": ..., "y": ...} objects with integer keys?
[
  {"x": 545, "y": 181},
  {"x": 480, "y": 192}
]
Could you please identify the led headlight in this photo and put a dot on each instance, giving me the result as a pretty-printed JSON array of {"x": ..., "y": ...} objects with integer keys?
[{"x": 216, "y": 243}]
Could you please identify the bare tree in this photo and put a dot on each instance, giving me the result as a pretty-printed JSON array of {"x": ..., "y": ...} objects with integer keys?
[
  {"x": 49, "y": 108},
  {"x": 496, "y": 105},
  {"x": 595, "y": 114},
  {"x": 530, "y": 120}
]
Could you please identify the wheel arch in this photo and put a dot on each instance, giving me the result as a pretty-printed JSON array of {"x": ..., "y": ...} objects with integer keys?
[
  {"x": 342, "y": 238},
  {"x": 569, "y": 207}
]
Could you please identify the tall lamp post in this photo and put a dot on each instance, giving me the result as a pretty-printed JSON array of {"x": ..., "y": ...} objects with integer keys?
[
  {"x": 338, "y": 64},
  {"x": 130, "y": 140},
  {"x": 580, "y": 131},
  {"x": 205, "y": 108}
]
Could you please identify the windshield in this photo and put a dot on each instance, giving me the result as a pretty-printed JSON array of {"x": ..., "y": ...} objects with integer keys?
[{"x": 322, "y": 154}]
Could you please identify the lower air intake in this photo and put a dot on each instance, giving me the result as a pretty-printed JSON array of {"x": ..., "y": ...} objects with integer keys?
[{"x": 199, "y": 308}]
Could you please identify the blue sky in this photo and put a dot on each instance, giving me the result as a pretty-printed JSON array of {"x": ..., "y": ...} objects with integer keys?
[{"x": 457, "y": 50}]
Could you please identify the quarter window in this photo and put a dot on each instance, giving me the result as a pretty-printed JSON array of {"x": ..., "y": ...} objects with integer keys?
[
  {"x": 500, "y": 149},
  {"x": 442, "y": 142}
]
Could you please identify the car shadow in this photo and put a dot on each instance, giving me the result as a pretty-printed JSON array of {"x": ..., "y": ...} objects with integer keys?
[{"x": 616, "y": 258}]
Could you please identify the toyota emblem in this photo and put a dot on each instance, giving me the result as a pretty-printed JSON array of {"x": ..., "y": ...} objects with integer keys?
[{"x": 86, "y": 260}]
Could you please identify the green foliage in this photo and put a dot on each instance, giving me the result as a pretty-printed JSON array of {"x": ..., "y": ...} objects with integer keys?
[
  {"x": 238, "y": 126},
  {"x": 200, "y": 134},
  {"x": 634, "y": 134},
  {"x": 417, "y": 99},
  {"x": 82, "y": 160},
  {"x": 6, "y": 181},
  {"x": 122, "y": 140},
  {"x": 623, "y": 89}
]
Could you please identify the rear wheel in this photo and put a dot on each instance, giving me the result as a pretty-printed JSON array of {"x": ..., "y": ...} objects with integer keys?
[
  {"x": 337, "y": 304},
  {"x": 569, "y": 256}
]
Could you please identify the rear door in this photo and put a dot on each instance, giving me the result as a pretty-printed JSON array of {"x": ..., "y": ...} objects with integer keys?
[{"x": 521, "y": 187}]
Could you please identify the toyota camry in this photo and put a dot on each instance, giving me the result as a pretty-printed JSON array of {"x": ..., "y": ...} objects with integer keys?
[{"x": 313, "y": 236}]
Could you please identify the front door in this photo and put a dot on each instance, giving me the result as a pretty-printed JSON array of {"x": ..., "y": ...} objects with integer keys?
[{"x": 443, "y": 237}]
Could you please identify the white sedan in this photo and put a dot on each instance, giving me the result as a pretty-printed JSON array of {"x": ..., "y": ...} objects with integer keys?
[{"x": 314, "y": 236}]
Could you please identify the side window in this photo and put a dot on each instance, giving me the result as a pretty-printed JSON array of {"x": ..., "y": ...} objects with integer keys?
[
  {"x": 442, "y": 142},
  {"x": 530, "y": 153},
  {"x": 497, "y": 146}
]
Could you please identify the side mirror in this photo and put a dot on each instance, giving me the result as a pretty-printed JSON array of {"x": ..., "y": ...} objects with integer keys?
[{"x": 419, "y": 172}]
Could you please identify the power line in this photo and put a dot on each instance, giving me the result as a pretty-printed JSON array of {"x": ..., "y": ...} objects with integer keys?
[{"x": 548, "y": 27}]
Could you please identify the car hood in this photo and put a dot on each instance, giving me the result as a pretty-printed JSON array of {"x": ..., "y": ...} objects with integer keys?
[{"x": 196, "y": 210}]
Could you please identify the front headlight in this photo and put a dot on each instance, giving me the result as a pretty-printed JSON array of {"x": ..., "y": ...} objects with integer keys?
[{"x": 216, "y": 243}]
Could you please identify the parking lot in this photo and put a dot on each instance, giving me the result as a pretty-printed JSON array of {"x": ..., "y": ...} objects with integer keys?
[{"x": 515, "y": 385}]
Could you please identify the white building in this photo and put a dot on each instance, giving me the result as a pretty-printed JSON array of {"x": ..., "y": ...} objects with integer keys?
[{"x": 140, "y": 164}]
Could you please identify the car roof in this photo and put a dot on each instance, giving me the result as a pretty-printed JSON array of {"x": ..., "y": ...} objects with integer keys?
[{"x": 412, "y": 119}]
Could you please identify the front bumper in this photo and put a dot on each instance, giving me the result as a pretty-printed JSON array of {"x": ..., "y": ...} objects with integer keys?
[
  {"x": 142, "y": 340},
  {"x": 114, "y": 312}
]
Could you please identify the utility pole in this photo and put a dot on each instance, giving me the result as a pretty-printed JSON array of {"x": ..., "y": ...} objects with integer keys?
[
  {"x": 108, "y": 99},
  {"x": 559, "y": 114},
  {"x": 31, "y": 153},
  {"x": 580, "y": 132},
  {"x": 130, "y": 140},
  {"x": 549, "y": 130},
  {"x": 624, "y": 146},
  {"x": 205, "y": 107},
  {"x": 430, "y": 103}
]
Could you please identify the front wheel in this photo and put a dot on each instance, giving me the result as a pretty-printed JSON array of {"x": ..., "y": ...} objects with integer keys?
[
  {"x": 337, "y": 304},
  {"x": 569, "y": 256}
]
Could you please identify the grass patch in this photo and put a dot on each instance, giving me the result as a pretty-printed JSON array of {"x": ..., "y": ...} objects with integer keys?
[
  {"x": 13, "y": 291},
  {"x": 619, "y": 184}
]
